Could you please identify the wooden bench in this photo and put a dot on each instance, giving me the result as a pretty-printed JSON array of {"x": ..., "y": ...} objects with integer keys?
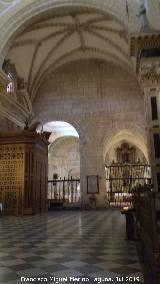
[{"x": 147, "y": 222}]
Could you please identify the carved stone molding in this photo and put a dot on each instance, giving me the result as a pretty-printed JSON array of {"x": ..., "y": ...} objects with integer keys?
[
  {"x": 143, "y": 41},
  {"x": 15, "y": 110},
  {"x": 3, "y": 81},
  {"x": 145, "y": 48},
  {"x": 10, "y": 69},
  {"x": 149, "y": 71}
]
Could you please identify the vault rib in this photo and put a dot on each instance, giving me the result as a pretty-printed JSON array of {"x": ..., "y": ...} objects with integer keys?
[
  {"x": 121, "y": 33},
  {"x": 79, "y": 30},
  {"x": 54, "y": 34},
  {"x": 108, "y": 41},
  {"x": 48, "y": 25},
  {"x": 32, "y": 65},
  {"x": 68, "y": 34},
  {"x": 24, "y": 42}
]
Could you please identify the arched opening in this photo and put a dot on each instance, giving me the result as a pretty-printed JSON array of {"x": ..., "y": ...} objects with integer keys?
[
  {"x": 63, "y": 165},
  {"x": 126, "y": 165}
]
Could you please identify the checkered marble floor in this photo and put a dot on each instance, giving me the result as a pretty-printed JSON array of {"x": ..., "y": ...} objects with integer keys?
[{"x": 88, "y": 245}]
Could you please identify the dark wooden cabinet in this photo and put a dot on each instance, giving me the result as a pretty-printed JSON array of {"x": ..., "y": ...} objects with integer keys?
[{"x": 23, "y": 173}]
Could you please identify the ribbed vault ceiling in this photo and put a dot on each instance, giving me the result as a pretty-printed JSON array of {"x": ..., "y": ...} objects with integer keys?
[{"x": 68, "y": 35}]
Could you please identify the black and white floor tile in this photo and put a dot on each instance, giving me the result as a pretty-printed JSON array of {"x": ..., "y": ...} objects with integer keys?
[{"x": 88, "y": 245}]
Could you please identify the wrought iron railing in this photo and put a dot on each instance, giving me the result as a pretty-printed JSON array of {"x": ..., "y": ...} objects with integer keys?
[
  {"x": 121, "y": 179},
  {"x": 66, "y": 191}
]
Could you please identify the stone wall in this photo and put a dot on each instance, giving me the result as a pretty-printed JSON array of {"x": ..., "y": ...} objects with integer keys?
[
  {"x": 64, "y": 158},
  {"x": 97, "y": 99}
]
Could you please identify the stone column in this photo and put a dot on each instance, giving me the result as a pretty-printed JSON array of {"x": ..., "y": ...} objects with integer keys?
[
  {"x": 92, "y": 164},
  {"x": 149, "y": 75},
  {"x": 145, "y": 53}
]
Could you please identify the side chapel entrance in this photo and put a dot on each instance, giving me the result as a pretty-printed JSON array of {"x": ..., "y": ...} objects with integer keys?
[{"x": 124, "y": 174}]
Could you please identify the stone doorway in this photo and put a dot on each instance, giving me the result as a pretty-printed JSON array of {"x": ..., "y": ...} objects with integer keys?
[
  {"x": 121, "y": 181},
  {"x": 63, "y": 166}
]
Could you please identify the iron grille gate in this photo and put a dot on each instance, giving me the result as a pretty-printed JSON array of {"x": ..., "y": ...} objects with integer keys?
[
  {"x": 63, "y": 192},
  {"x": 122, "y": 179}
]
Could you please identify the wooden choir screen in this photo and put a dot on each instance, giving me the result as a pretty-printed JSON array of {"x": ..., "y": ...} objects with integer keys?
[{"x": 23, "y": 173}]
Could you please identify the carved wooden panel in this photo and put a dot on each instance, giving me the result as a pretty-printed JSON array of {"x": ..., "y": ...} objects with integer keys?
[
  {"x": 12, "y": 178},
  {"x": 23, "y": 173}
]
